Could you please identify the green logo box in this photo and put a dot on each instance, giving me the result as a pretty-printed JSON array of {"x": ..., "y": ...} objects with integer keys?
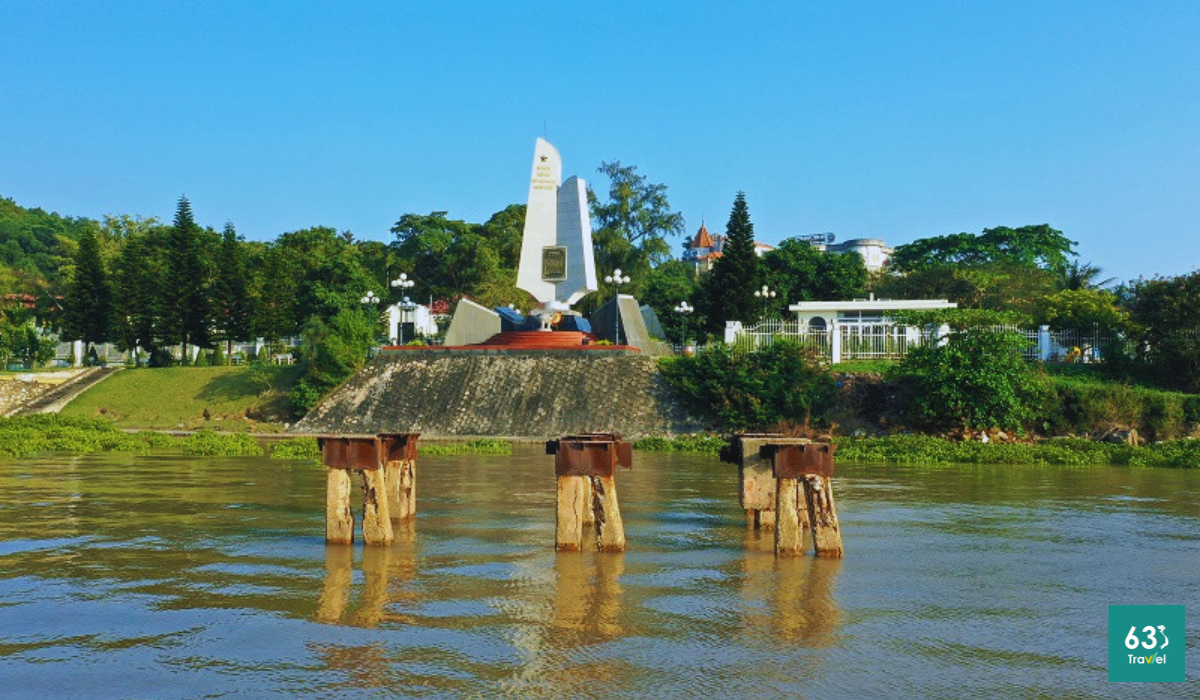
[{"x": 1145, "y": 643}]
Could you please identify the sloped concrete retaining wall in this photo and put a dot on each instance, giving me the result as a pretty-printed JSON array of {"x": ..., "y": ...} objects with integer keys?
[{"x": 532, "y": 394}]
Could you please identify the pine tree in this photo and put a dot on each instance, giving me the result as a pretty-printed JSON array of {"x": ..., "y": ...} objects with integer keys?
[
  {"x": 231, "y": 302},
  {"x": 727, "y": 293},
  {"x": 189, "y": 309},
  {"x": 89, "y": 303}
]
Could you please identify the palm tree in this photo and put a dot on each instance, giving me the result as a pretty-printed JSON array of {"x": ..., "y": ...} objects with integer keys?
[{"x": 1077, "y": 275}]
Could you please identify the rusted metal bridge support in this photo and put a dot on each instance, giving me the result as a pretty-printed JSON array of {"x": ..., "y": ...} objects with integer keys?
[
  {"x": 587, "y": 492},
  {"x": 399, "y": 456},
  {"x": 803, "y": 493},
  {"x": 757, "y": 492},
  {"x": 365, "y": 454}
]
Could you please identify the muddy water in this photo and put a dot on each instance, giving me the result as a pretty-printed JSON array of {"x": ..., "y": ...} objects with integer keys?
[{"x": 171, "y": 577}]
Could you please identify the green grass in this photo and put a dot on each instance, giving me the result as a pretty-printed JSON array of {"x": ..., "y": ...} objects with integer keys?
[{"x": 237, "y": 399}]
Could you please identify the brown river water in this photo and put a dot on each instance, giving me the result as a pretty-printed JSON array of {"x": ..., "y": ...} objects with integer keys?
[{"x": 165, "y": 576}]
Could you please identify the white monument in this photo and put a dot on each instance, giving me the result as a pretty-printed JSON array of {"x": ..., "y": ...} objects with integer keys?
[{"x": 557, "y": 265}]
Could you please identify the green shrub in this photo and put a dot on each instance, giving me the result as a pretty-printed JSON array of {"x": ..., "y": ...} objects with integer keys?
[
  {"x": 207, "y": 443},
  {"x": 26, "y": 435},
  {"x": 975, "y": 379},
  {"x": 741, "y": 390}
]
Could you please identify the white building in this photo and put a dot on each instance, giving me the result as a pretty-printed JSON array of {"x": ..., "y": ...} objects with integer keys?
[
  {"x": 419, "y": 316},
  {"x": 875, "y": 254}
]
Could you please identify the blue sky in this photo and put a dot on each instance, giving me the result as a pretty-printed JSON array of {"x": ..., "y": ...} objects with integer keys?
[{"x": 881, "y": 119}]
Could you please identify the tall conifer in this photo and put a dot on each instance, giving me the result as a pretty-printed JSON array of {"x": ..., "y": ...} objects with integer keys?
[
  {"x": 89, "y": 302},
  {"x": 187, "y": 282},
  {"x": 230, "y": 296},
  {"x": 727, "y": 293}
]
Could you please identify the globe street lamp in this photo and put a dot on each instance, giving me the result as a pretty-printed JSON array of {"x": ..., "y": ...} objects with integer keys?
[
  {"x": 686, "y": 310},
  {"x": 616, "y": 279},
  {"x": 766, "y": 294},
  {"x": 403, "y": 283},
  {"x": 369, "y": 299},
  {"x": 406, "y": 306}
]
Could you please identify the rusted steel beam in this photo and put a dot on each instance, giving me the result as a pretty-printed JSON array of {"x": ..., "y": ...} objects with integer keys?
[
  {"x": 350, "y": 452},
  {"x": 792, "y": 461},
  {"x": 395, "y": 447},
  {"x": 589, "y": 454}
]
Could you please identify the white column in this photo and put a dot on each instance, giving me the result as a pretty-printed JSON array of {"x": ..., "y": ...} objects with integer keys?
[
  {"x": 1044, "y": 348},
  {"x": 835, "y": 340}
]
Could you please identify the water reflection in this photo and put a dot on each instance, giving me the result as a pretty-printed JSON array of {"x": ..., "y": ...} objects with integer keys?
[
  {"x": 788, "y": 599},
  {"x": 386, "y": 572},
  {"x": 959, "y": 581},
  {"x": 587, "y": 597}
]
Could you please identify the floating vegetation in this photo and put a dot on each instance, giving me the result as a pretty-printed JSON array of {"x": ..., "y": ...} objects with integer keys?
[
  {"x": 301, "y": 448},
  {"x": 702, "y": 443},
  {"x": 920, "y": 449},
  {"x": 207, "y": 443},
  {"x": 482, "y": 446},
  {"x": 21, "y": 436}
]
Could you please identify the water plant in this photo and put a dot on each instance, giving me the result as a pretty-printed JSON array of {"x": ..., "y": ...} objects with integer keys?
[{"x": 207, "y": 443}]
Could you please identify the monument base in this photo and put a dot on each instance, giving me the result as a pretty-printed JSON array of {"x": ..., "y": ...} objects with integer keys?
[{"x": 523, "y": 341}]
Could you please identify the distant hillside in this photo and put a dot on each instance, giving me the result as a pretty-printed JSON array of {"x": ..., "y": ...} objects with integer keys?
[{"x": 35, "y": 247}]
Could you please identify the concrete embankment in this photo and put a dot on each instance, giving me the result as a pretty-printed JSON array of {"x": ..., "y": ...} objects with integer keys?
[{"x": 530, "y": 394}]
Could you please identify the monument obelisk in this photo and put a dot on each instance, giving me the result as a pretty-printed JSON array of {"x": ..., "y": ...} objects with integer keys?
[{"x": 557, "y": 265}]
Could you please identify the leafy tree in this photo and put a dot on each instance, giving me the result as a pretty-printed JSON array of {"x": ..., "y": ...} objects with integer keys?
[
  {"x": 632, "y": 226},
  {"x": 89, "y": 307},
  {"x": 669, "y": 284},
  {"x": 450, "y": 257},
  {"x": 504, "y": 232},
  {"x": 727, "y": 293},
  {"x": 332, "y": 351},
  {"x": 1081, "y": 309},
  {"x": 273, "y": 296},
  {"x": 975, "y": 380},
  {"x": 995, "y": 286},
  {"x": 1167, "y": 311},
  {"x": 800, "y": 272},
  {"x": 1035, "y": 246},
  {"x": 23, "y": 342},
  {"x": 231, "y": 297},
  {"x": 188, "y": 310}
]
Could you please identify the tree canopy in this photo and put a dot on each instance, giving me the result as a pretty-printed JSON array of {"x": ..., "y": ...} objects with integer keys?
[{"x": 1034, "y": 246}]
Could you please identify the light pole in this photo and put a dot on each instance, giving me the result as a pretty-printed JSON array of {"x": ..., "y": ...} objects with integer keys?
[
  {"x": 403, "y": 283},
  {"x": 616, "y": 279},
  {"x": 686, "y": 310},
  {"x": 766, "y": 294}
]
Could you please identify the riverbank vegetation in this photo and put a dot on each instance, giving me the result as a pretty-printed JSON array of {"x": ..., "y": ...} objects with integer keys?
[
  {"x": 29, "y": 435},
  {"x": 236, "y": 399}
]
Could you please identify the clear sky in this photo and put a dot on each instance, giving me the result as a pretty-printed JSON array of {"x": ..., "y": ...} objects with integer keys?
[{"x": 895, "y": 120}]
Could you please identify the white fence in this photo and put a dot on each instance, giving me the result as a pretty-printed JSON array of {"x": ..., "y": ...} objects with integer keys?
[{"x": 890, "y": 341}]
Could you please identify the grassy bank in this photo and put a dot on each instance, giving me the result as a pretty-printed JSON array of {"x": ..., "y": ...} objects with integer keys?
[{"x": 236, "y": 399}]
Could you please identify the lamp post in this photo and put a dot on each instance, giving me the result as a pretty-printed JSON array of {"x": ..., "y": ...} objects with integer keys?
[
  {"x": 766, "y": 294},
  {"x": 403, "y": 283},
  {"x": 616, "y": 279},
  {"x": 686, "y": 310}
]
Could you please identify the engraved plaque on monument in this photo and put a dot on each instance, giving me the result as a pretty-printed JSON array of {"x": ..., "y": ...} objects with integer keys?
[{"x": 554, "y": 263}]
